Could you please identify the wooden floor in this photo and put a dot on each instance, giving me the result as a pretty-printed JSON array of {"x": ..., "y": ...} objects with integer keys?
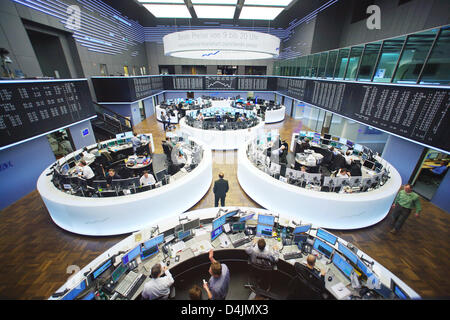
[{"x": 35, "y": 254}]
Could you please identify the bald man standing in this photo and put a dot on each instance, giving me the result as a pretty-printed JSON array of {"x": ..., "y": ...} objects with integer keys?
[{"x": 220, "y": 190}]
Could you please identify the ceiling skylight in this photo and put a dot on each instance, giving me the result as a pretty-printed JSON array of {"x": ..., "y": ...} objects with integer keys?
[
  {"x": 260, "y": 13},
  {"x": 215, "y": 12},
  {"x": 168, "y": 10},
  {"x": 281, "y": 3}
]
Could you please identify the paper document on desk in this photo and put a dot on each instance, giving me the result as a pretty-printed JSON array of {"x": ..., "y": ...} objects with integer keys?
[
  {"x": 201, "y": 247},
  {"x": 199, "y": 232},
  {"x": 177, "y": 247},
  {"x": 340, "y": 290}
]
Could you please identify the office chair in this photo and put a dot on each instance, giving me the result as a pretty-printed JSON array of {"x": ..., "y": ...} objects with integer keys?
[
  {"x": 260, "y": 273},
  {"x": 306, "y": 285}
]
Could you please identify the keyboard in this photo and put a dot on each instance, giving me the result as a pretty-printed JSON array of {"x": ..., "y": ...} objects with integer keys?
[
  {"x": 136, "y": 286},
  {"x": 241, "y": 242},
  {"x": 292, "y": 255},
  {"x": 127, "y": 283}
]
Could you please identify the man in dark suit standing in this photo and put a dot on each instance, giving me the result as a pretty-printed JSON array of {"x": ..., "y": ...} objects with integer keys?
[{"x": 220, "y": 190}]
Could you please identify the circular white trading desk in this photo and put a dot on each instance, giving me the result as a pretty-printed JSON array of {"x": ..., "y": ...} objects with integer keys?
[
  {"x": 173, "y": 220},
  {"x": 325, "y": 209},
  {"x": 273, "y": 116},
  {"x": 222, "y": 140},
  {"x": 160, "y": 110},
  {"x": 128, "y": 213}
]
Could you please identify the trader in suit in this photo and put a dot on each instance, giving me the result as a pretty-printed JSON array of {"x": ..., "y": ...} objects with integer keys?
[{"x": 220, "y": 190}]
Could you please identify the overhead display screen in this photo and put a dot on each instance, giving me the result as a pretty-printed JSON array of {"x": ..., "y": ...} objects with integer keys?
[
  {"x": 31, "y": 108},
  {"x": 187, "y": 83},
  {"x": 417, "y": 113},
  {"x": 220, "y": 83}
]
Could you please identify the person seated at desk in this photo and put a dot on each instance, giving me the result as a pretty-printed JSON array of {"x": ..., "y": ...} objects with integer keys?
[
  {"x": 259, "y": 250},
  {"x": 86, "y": 172},
  {"x": 217, "y": 286},
  {"x": 343, "y": 173},
  {"x": 136, "y": 142},
  {"x": 195, "y": 293},
  {"x": 147, "y": 179},
  {"x": 281, "y": 152},
  {"x": 355, "y": 168},
  {"x": 310, "y": 264},
  {"x": 348, "y": 157},
  {"x": 112, "y": 175},
  {"x": 200, "y": 117},
  {"x": 159, "y": 287},
  {"x": 303, "y": 169}
]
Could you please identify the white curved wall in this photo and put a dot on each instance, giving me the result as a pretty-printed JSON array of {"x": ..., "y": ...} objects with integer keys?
[
  {"x": 124, "y": 214},
  {"x": 325, "y": 209},
  {"x": 221, "y": 140},
  {"x": 277, "y": 115}
]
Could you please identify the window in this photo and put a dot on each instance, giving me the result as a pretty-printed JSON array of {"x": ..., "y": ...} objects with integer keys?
[
  {"x": 353, "y": 63},
  {"x": 368, "y": 61},
  {"x": 332, "y": 56},
  {"x": 413, "y": 57},
  {"x": 315, "y": 65},
  {"x": 322, "y": 64},
  {"x": 437, "y": 69},
  {"x": 309, "y": 66},
  {"x": 388, "y": 59},
  {"x": 341, "y": 64}
]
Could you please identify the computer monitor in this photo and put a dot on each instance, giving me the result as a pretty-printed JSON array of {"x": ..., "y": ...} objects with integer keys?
[
  {"x": 191, "y": 224},
  {"x": 344, "y": 148},
  {"x": 342, "y": 265},
  {"x": 154, "y": 241},
  {"x": 147, "y": 253},
  {"x": 335, "y": 138},
  {"x": 71, "y": 164},
  {"x": 183, "y": 234},
  {"x": 358, "y": 147},
  {"x": 130, "y": 256},
  {"x": 369, "y": 164},
  {"x": 65, "y": 168},
  {"x": 129, "y": 134},
  {"x": 327, "y": 136},
  {"x": 266, "y": 220},
  {"x": 216, "y": 232},
  {"x": 300, "y": 238},
  {"x": 75, "y": 292},
  {"x": 112, "y": 143},
  {"x": 325, "y": 142},
  {"x": 120, "y": 270},
  {"x": 302, "y": 134},
  {"x": 247, "y": 217},
  {"x": 399, "y": 292},
  {"x": 89, "y": 296},
  {"x": 317, "y": 136},
  {"x": 77, "y": 157},
  {"x": 302, "y": 228},
  {"x": 239, "y": 226},
  {"x": 323, "y": 248},
  {"x": 350, "y": 143},
  {"x": 343, "y": 140},
  {"x": 231, "y": 213},
  {"x": 349, "y": 254},
  {"x": 328, "y": 237},
  {"x": 333, "y": 143},
  {"x": 264, "y": 230},
  {"x": 218, "y": 222},
  {"x": 121, "y": 141},
  {"x": 310, "y": 134},
  {"x": 120, "y": 136},
  {"x": 99, "y": 271},
  {"x": 364, "y": 269}
]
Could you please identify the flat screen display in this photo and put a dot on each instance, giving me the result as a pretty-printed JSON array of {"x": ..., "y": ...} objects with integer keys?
[
  {"x": 323, "y": 248},
  {"x": 342, "y": 265},
  {"x": 31, "y": 108},
  {"x": 328, "y": 237},
  {"x": 301, "y": 229},
  {"x": 216, "y": 232},
  {"x": 131, "y": 255},
  {"x": 264, "y": 230},
  {"x": 348, "y": 253},
  {"x": 75, "y": 292},
  {"x": 154, "y": 241},
  {"x": 267, "y": 220},
  {"x": 218, "y": 222}
]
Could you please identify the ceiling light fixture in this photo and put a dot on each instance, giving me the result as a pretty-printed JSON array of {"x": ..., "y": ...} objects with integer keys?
[
  {"x": 221, "y": 44},
  {"x": 215, "y": 12},
  {"x": 168, "y": 10}
]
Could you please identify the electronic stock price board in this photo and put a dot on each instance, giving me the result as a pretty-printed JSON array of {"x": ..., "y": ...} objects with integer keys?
[{"x": 31, "y": 108}]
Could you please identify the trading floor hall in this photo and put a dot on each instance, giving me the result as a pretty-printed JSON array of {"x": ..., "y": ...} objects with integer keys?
[{"x": 37, "y": 255}]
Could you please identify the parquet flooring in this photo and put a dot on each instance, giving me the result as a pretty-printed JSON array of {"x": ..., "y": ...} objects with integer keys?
[{"x": 35, "y": 253}]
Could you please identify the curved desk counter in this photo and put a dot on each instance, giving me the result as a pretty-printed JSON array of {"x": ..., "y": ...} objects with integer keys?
[
  {"x": 275, "y": 115},
  {"x": 325, "y": 209},
  {"x": 160, "y": 110},
  {"x": 124, "y": 214},
  {"x": 193, "y": 263},
  {"x": 221, "y": 140}
]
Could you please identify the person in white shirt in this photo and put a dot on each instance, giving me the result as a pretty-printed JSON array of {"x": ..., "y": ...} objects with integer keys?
[
  {"x": 348, "y": 157},
  {"x": 86, "y": 172},
  {"x": 343, "y": 173},
  {"x": 147, "y": 179},
  {"x": 159, "y": 287}
]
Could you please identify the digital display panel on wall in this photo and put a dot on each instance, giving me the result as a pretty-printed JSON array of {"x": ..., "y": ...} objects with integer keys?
[
  {"x": 417, "y": 113},
  {"x": 31, "y": 108},
  {"x": 220, "y": 83}
]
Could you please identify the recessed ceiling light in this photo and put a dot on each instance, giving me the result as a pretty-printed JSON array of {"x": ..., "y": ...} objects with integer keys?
[
  {"x": 161, "y": 1},
  {"x": 168, "y": 10},
  {"x": 214, "y": 1},
  {"x": 280, "y": 3},
  {"x": 215, "y": 12},
  {"x": 260, "y": 13}
]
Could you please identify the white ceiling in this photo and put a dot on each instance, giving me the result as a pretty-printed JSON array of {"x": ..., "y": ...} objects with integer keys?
[{"x": 216, "y": 9}]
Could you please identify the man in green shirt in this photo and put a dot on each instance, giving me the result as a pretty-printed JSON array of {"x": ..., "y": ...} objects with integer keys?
[{"x": 405, "y": 201}]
